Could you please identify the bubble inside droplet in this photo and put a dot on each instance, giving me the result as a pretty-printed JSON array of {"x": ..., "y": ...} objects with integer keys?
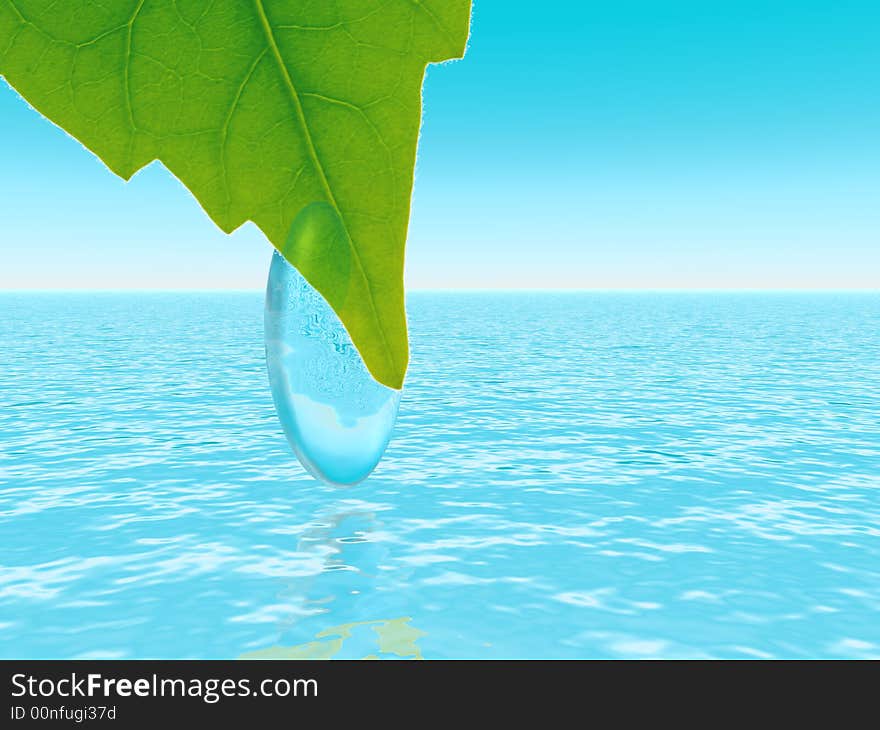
[{"x": 336, "y": 416}]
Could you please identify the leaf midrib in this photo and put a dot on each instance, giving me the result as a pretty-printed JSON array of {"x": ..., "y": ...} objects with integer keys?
[{"x": 316, "y": 163}]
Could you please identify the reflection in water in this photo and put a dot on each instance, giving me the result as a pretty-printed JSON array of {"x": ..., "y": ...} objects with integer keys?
[
  {"x": 346, "y": 544},
  {"x": 393, "y": 637}
]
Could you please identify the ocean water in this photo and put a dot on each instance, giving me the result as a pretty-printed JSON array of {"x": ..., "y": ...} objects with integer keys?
[{"x": 595, "y": 475}]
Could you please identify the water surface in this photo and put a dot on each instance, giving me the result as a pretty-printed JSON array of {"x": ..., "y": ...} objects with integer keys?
[{"x": 597, "y": 475}]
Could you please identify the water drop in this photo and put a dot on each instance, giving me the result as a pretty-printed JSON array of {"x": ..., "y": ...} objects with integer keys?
[{"x": 336, "y": 416}]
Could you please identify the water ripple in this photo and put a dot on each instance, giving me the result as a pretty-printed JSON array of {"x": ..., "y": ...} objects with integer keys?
[{"x": 571, "y": 476}]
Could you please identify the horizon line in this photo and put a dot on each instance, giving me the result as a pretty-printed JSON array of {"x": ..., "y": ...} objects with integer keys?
[{"x": 483, "y": 290}]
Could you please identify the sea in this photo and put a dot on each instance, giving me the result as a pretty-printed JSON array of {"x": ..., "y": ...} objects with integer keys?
[{"x": 571, "y": 475}]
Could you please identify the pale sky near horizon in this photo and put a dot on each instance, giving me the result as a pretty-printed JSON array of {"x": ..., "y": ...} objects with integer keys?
[{"x": 635, "y": 144}]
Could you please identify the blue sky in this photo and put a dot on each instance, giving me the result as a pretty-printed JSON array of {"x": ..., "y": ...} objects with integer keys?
[{"x": 633, "y": 144}]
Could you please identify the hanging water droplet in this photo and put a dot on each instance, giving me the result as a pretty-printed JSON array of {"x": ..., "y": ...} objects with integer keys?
[{"x": 337, "y": 418}]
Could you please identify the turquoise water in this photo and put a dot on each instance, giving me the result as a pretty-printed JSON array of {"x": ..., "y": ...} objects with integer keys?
[
  {"x": 571, "y": 476},
  {"x": 337, "y": 418}
]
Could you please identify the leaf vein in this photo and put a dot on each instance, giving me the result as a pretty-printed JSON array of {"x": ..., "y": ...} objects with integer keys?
[
  {"x": 224, "y": 132},
  {"x": 319, "y": 169},
  {"x": 127, "y": 78}
]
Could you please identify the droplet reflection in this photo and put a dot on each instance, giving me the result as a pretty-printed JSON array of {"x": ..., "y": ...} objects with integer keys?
[{"x": 336, "y": 416}]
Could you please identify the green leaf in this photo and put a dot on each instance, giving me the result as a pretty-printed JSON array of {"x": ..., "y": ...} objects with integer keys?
[{"x": 299, "y": 115}]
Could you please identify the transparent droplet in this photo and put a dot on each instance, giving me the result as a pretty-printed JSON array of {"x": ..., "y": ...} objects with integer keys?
[{"x": 336, "y": 416}]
